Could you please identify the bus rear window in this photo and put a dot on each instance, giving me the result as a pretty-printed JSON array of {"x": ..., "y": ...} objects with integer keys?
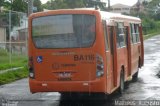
[{"x": 64, "y": 31}]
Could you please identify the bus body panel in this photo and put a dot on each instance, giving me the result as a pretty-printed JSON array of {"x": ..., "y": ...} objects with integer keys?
[
  {"x": 71, "y": 64},
  {"x": 135, "y": 54},
  {"x": 74, "y": 69},
  {"x": 67, "y": 86}
]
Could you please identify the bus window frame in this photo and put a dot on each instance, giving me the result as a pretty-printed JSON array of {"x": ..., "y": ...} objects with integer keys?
[
  {"x": 120, "y": 35},
  {"x": 135, "y": 36}
]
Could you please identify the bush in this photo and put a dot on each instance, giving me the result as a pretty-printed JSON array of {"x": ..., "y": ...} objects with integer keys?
[{"x": 150, "y": 26}]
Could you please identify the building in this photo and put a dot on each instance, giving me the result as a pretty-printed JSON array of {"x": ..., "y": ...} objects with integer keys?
[
  {"x": 125, "y": 9},
  {"x": 138, "y": 7},
  {"x": 2, "y": 37},
  {"x": 2, "y": 34},
  {"x": 19, "y": 36},
  {"x": 120, "y": 8}
]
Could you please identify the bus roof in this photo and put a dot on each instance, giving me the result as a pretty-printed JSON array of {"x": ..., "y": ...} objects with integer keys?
[
  {"x": 104, "y": 15},
  {"x": 117, "y": 16},
  {"x": 110, "y": 15}
]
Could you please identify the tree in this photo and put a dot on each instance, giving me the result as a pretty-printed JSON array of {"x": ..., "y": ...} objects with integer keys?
[
  {"x": 74, "y": 3},
  {"x": 153, "y": 9},
  {"x": 38, "y": 5},
  {"x": 65, "y": 4},
  {"x": 19, "y": 5},
  {"x": 1, "y": 3}
]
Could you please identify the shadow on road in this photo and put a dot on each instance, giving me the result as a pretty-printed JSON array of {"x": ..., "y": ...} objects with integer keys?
[
  {"x": 94, "y": 100},
  {"x": 86, "y": 103},
  {"x": 91, "y": 100}
]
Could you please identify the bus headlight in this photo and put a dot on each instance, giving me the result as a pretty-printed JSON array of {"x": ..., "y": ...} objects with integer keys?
[{"x": 99, "y": 66}]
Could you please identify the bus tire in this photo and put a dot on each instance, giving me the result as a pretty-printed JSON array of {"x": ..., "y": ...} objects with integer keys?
[
  {"x": 122, "y": 83},
  {"x": 135, "y": 76}
]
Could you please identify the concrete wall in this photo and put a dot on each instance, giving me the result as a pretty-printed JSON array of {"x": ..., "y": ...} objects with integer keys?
[
  {"x": 2, "y": 34},
  {"x": 2, "y": 37}
]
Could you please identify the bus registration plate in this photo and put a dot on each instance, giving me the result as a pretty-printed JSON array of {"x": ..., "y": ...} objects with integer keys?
[{"x": 64, "y": 74}]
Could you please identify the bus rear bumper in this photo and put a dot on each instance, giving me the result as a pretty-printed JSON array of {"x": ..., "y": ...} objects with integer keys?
[{"x": 71, "y": 86}]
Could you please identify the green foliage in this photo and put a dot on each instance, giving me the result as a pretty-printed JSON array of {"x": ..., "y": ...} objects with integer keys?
[
  {"x": 19, "y": 5},
  {"x": 149, "y": 17},
  {"x": 13, "y": 75},
  {"x": 1, "y": 3},
  {"x": 16, "y": 60},
  {"x": 153, "y": 9},
  {"x": 151, "y": 35},
  {"x": 3, "y": 52},
  {"x": 150, "y": 25},
  {"x": 65, "y": 4},
  {"x": 153, "y": 3},
  {"x": 38, "y": 4}
]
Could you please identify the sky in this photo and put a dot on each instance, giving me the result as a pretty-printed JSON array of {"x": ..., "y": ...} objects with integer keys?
[{"x": 126, "y": 2}]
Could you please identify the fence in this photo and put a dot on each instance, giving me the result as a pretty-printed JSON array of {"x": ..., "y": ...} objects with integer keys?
[{"x": 13, "y": 36}]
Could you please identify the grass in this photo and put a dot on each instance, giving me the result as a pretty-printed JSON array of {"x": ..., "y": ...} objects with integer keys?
[
  {"x": 17, "y": 60},
  {"x": 151, "y": 35},
  {"x": 13, "y": 75}
]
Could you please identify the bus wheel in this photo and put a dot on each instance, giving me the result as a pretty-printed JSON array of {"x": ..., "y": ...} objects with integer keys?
[
  {"x": 121, "y": 88},
  {"x": 135, "y": 76}
]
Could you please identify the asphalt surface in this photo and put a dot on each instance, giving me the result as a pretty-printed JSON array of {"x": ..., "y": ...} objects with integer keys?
[{"x": 147, "y": 87}]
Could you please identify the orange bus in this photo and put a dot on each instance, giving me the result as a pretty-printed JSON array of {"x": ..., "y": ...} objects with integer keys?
[{"x": 85, "y": 51}]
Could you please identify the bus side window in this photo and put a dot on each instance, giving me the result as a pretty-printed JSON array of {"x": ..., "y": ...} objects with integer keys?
[
  {"x": 105, "y": 35},
  {"x": 120, "y": 35},
  {"x": 134, "y": 32},
  {"x": 131, "y": 35},
  {"x": 137, "y": 32}
]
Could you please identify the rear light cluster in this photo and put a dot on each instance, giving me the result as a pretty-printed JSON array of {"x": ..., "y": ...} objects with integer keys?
[
  {"x": 99, "y": 66},
  {"x": 31, "y": 68}
]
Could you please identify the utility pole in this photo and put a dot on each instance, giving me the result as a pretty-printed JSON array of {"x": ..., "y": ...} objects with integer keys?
[
  {"x": 109, "y": 5},
  {"x": 138, "y": 7},
  {"x": 10, "y": 40},
  {"x": 30, "y": 7}
]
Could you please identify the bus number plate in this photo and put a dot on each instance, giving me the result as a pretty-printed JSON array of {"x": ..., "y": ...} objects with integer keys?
[{"x": 64, "y": 75}]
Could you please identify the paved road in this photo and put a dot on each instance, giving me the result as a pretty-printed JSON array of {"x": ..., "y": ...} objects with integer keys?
[{"x": 146, "y": 88}]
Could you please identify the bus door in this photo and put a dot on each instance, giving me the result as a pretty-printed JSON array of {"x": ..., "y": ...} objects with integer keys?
[
  {"x": 113, "y": 60},
  {"x": 135, "y": 47},
  {"x": 128, "y": 44},
  {"x": 109, "y": 60},
  {"x": 109, "y": 44}
]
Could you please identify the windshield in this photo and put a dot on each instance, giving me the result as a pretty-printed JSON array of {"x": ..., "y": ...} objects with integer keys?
[{"x": 64, "y": 31}]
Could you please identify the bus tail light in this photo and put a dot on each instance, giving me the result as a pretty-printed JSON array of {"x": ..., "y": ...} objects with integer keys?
[
  {"x": 99, "y": 66},
  {"x": 30, "y": 67}
]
